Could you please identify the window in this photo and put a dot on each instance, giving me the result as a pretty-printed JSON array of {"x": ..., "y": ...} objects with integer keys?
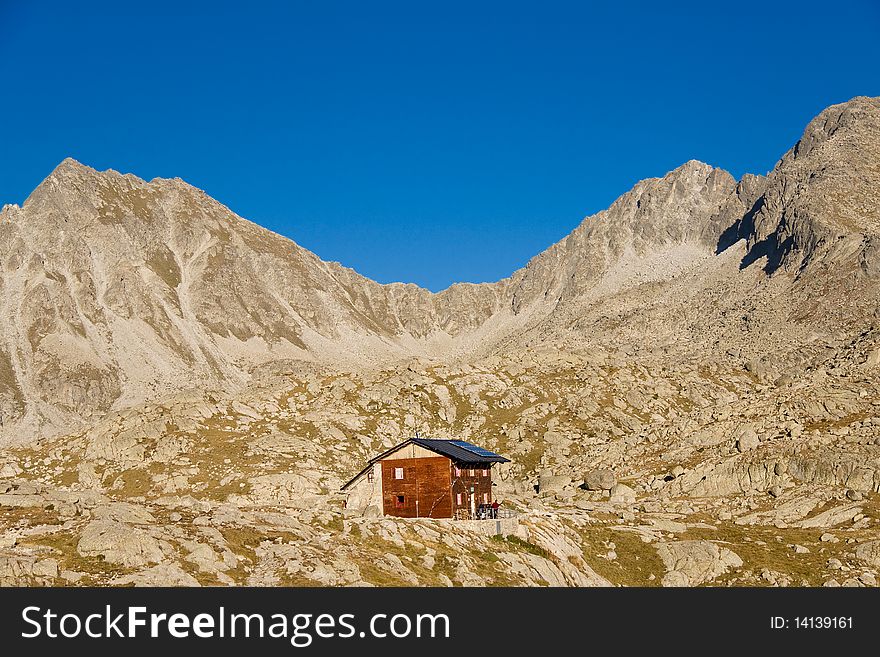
[
  {"x": 458, "y": 472},
  {"x": 370, "y": 475},
  {"x": 471, "y": 472},
  {"x": 458, "y": 498},
  {"x": 398, "y": 473},
  {"x": 485, "y": 473},
  {"x": 398, "y": 501},
  {"x": 485, "y": 498}
]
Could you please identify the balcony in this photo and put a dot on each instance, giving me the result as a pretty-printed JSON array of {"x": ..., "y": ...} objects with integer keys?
[{"x": 484, "y": 513}]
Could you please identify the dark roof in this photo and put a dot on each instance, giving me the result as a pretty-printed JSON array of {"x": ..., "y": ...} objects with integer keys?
[{"x": 458, "y": 450}]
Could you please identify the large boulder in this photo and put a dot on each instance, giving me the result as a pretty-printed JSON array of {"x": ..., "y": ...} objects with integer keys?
[
  {"x": 600, "y": 479},
  {"x": 555, "y": 438},
  {"x": 622, "y": 493},
  {"x": 869, "y": 552},
  {"x": 690, "y": 563},
  {"x": 831, "y": 517},
  {"x": 747, "y": 440},
  {"x": 550, "y": 483}
]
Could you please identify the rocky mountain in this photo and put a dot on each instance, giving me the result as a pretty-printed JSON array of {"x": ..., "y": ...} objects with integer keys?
[
  {"x": 785, "y": 261},
  {"x": 687, "y": 386},
  {"x": 118, "y": 290}
]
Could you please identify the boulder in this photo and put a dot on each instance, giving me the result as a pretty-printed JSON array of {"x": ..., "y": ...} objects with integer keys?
[
  {"x": 831, "y": 517},
  {"x": 622, "y": 493},
  {"x": 549, "y": 483},
  {"x": 47, "y": 568},
  {"x": 555, "y": 438},
  {"x": 204, "y": 557},
  {"x": 16, "y": 570},
  {"x": 600, "y": 479},
  {"x": 690, "y": 563},
  {"x": 869, "y": 552},
  {"x": 747, "y": 440}
]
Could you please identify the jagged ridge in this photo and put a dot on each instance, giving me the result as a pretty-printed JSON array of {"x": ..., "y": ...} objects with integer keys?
[{"x": 118, "y": 290}]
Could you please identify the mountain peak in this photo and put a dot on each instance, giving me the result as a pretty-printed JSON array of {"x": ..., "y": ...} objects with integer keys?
[
  {"x": 70, "y": 163},
  {"x": 858, "y": 118},
  {"x": 71, "y": 167},
  {"x": 690, "y": 166},
  {"x": 71, "y": 180}
]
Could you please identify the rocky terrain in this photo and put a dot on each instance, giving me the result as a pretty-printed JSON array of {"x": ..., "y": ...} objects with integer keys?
[{"x": 688, "y": 388}]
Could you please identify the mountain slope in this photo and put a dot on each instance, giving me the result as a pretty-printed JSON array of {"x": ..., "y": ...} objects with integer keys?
[
  {"x": 117, "y": 290},
  {"x": 796, "y": 261}
]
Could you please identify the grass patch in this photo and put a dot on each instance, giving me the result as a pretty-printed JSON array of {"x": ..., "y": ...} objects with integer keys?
[
  {"x": 63, "y": 544},
  {"x": 636, "y": 560},
  {"x": 763, "y": 547},
  {"x": 27, "y": 516},
  {"x": 244, "y": 541},
  {"x": 132, "y": 483},
  {"x": 516, "y": 544},
  {"x": 336, "y": 524},
  {"x": 489, "y": 556},
  {"x": 373, "y": 574}
]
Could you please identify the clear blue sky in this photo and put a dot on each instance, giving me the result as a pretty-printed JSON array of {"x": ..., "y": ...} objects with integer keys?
[{"x": 424, "y": 144}]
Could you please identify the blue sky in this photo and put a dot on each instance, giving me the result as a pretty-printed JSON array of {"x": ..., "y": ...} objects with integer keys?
[{"x": 422, "y": 142}]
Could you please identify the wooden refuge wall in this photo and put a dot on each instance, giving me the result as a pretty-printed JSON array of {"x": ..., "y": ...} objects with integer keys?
[
  {"x": 417, "y": 487},
  {"x": 471, "y": 481}
]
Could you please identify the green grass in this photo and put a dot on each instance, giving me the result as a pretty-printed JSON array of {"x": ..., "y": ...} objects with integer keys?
[
  {"x": 63, "y": 544},
  {"x": 636, "y": 560},
  {"x": 516, "y": 544}
]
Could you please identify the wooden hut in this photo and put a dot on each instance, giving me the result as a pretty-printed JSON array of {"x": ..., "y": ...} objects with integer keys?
[{"x": 425, "y": 478}]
